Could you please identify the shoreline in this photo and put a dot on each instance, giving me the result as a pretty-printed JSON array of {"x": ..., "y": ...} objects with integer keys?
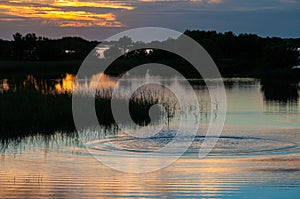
[{"x": 12, "y": 67}]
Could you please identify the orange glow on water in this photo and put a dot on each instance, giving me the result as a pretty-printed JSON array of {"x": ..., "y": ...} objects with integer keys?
[
  {"x": 69, "y": 83},
  {"x": 5, "y": 85}
]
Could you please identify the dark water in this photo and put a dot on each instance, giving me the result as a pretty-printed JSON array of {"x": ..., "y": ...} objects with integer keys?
[{"x": 256, "y": 156}]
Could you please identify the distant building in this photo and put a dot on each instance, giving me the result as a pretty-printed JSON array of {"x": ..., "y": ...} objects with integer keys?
[
  {"x": 297, "y": 66},
  {"x": 100, "y": 50},
  {"x": 70, "y": 51}
]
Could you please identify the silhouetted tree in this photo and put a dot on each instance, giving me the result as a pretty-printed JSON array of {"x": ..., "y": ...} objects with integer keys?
[
  {"x": 112, "y": 52},
  {"x": 18, "y": 46},
  {"x": 124, "y": 43}
]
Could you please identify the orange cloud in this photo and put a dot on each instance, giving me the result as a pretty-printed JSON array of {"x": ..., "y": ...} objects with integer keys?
[
  {"x": 90, "y": 24},
  {"x": 197, "y": 1},
  {"x": 208, "y": 1},
  {"x": 76, "y": 3},
  {"x": 55, "y": 14}
]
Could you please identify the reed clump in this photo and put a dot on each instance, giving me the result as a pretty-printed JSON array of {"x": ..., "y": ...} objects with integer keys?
[{"x": 30, "y": 112}]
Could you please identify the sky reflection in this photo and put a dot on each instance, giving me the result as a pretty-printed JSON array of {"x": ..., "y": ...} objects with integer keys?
[{"x": 62, "y": 172}]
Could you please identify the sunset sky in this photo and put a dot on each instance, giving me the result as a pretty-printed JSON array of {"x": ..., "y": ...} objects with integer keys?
[{"x": 95, "y": 19}]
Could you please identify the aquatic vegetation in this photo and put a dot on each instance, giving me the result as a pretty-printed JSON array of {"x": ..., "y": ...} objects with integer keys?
[{"x": 29, "y": 112}]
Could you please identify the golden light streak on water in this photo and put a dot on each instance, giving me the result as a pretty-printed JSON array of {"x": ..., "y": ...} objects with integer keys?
[
  {"x": 69, "y": 83},
  {"x": 66, "y": 175}
]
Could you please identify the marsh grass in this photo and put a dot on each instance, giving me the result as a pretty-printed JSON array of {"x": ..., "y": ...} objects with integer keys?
[{"x": 29, "y": 112}]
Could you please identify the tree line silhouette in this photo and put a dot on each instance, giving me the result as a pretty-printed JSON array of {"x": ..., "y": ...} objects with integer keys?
[
  {"x": 234, "y": 54},
  {"x": 248, "y": 49},
  {"x": 33, "y": 48}
]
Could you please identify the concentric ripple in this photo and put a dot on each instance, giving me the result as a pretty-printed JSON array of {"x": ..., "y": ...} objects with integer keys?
[{"x": 226, "y": 145}]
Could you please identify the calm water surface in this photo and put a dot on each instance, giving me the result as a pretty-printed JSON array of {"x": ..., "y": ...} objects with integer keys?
[{"x": 257, "y": 155}]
